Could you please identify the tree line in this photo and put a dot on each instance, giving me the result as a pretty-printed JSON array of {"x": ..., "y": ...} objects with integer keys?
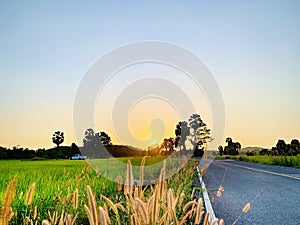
[
  {"x": 232, "y": 147},
  {"x": 283, "y": 149},
  {"x": 191, "y": 135}
]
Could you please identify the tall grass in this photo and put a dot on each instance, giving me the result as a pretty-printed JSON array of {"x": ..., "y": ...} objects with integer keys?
[
  {"x": 70, "y": 192},
  {"x": 289, "y": 161}
]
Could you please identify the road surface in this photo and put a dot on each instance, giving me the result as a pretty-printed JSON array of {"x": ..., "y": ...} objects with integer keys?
[{"x": 272, "y": 191}]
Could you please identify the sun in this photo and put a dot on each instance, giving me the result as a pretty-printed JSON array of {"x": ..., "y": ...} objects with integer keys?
[{"x": 154, "y": 142}]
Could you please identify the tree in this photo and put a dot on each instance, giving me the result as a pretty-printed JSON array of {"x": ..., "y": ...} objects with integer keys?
[
  {"x": 220, "y": 148},
  {"x": 200, "y": 132},
  {"x": 281, "y": 147},
  {"x": 74, "y": 149},
  {"x": 182, "y": 131},
  {"x": 58, "y": 138},
  {"x": 91, "y": 138},
  {"x": 295, "y": 147},
  {"x": 229, "y": 141},
  {"x": 232, "y": 148},
  {"x": 105, "y": 138},
  {"x": 168, "y": 144},
  {"x": 264, "y": 152},
  {"x": 237, "y": 146},
  {"x": 171, "y": 144}
]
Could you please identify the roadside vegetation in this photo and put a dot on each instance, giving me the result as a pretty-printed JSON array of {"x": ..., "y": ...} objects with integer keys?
[
  {"x": 280, "y": 155},
  {"x": 289, "y": 161}
]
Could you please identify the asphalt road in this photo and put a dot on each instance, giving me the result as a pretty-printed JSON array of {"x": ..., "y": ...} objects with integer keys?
[{"x": 273, "y": 192}]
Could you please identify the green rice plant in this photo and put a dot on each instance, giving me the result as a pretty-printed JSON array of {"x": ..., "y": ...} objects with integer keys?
[{"x": 71, "y": 192}]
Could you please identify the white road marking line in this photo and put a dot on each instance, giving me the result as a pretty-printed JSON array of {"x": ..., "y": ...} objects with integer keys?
[{"x": 259, "y": 170}]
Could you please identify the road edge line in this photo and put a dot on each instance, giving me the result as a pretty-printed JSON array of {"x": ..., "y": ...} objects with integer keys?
[{"x": 206, "y": 199}]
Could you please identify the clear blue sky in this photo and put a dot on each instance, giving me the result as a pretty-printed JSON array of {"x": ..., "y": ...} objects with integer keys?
[{"x": 252, "y": 48}]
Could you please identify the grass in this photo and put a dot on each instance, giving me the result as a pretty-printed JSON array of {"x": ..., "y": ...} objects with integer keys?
[
  {"x": 63, "y": 191},
  {"x": 288, "y": 161}
]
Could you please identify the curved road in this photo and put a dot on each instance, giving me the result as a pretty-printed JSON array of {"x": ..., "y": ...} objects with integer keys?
[{"x": 273, "y": 192}]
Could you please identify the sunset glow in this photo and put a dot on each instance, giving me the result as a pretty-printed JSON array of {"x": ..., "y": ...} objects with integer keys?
[{"x": 252, "y": 50}]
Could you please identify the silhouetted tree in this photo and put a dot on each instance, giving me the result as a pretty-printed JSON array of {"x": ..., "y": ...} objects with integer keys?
[
  {"x": 91, "y": 138},
  {"x": 74, "y": 150},
  {"x": 168, "y": 145},
  {"x": 281, "y": 147},
  {"x": 182, "y": 131},
  {"x": 93, "y": 146},
  {"x": 232, "y": 148},
  {"x": 58, "y": 138},
  {"x": 220, "y": 148},
  {"x": 229, "y": 140},
  {"x": 105, "y": 138},
  {"x": 295, "y": 147},
  {"x": 200, "y": 132},
  {"x": 264, "y": 152}
]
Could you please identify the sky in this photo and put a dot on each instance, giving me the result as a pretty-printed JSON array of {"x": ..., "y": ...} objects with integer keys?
[{"x": 252, "y": 49}]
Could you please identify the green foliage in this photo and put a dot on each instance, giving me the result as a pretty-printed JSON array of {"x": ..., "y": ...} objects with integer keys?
[
  {"x": 248, "y": 153},
  {"x": 264, "y": 152},
  {"x": 57, "y": 180},
  {"x": 289, "y": 161}
]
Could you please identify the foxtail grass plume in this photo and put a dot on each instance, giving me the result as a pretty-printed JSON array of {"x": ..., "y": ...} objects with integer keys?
[
  {"x": 92, "y": 204},
  {"x": 102, "y": 216},
  {"x": 69, "y": 220},
  {"x": 206, "y": 218},
  {"x": 246, "y": 208},
  {"x": 128, "y": 186},
  {"x": 30, "y": 194},
  {"x": 199, "y": 211},
  {"x": 6, "y": 212},
  {"x": 119, "y": 183},
  {"x": 45, "y": 222},
  {"x": 75, "y": 199}
]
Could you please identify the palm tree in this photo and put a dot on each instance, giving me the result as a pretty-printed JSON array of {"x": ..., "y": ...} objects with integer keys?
[
  {"x": 58, "y": 138},
  {"x": 229, "y": 141}
]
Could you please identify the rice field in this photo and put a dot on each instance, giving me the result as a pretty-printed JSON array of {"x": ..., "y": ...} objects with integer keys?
[{"x": 68, "y": 192}]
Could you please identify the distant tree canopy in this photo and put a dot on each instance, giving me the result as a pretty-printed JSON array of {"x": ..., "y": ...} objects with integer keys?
[
  {"x": 58, "y": 138},
  {"x": 167, "y": 145},
  {"x": 221, "y": 150},
  {"x": 61, "y": 152},
  {"x": 193, "y": 133},
  {"x": 94, "y": 144},
  {"x": 105, "y": 138},
  {"x": 232, "y": 148},
  {"x": 283, "y": 149}
]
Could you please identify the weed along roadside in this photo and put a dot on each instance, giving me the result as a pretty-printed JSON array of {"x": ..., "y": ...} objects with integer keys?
[
  {"x": 71, "y": 192},
  {"x": 201, "y": 192}
]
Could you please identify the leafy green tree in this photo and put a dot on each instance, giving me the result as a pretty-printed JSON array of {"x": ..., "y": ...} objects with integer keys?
[{"x": 58, "y": 138}]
